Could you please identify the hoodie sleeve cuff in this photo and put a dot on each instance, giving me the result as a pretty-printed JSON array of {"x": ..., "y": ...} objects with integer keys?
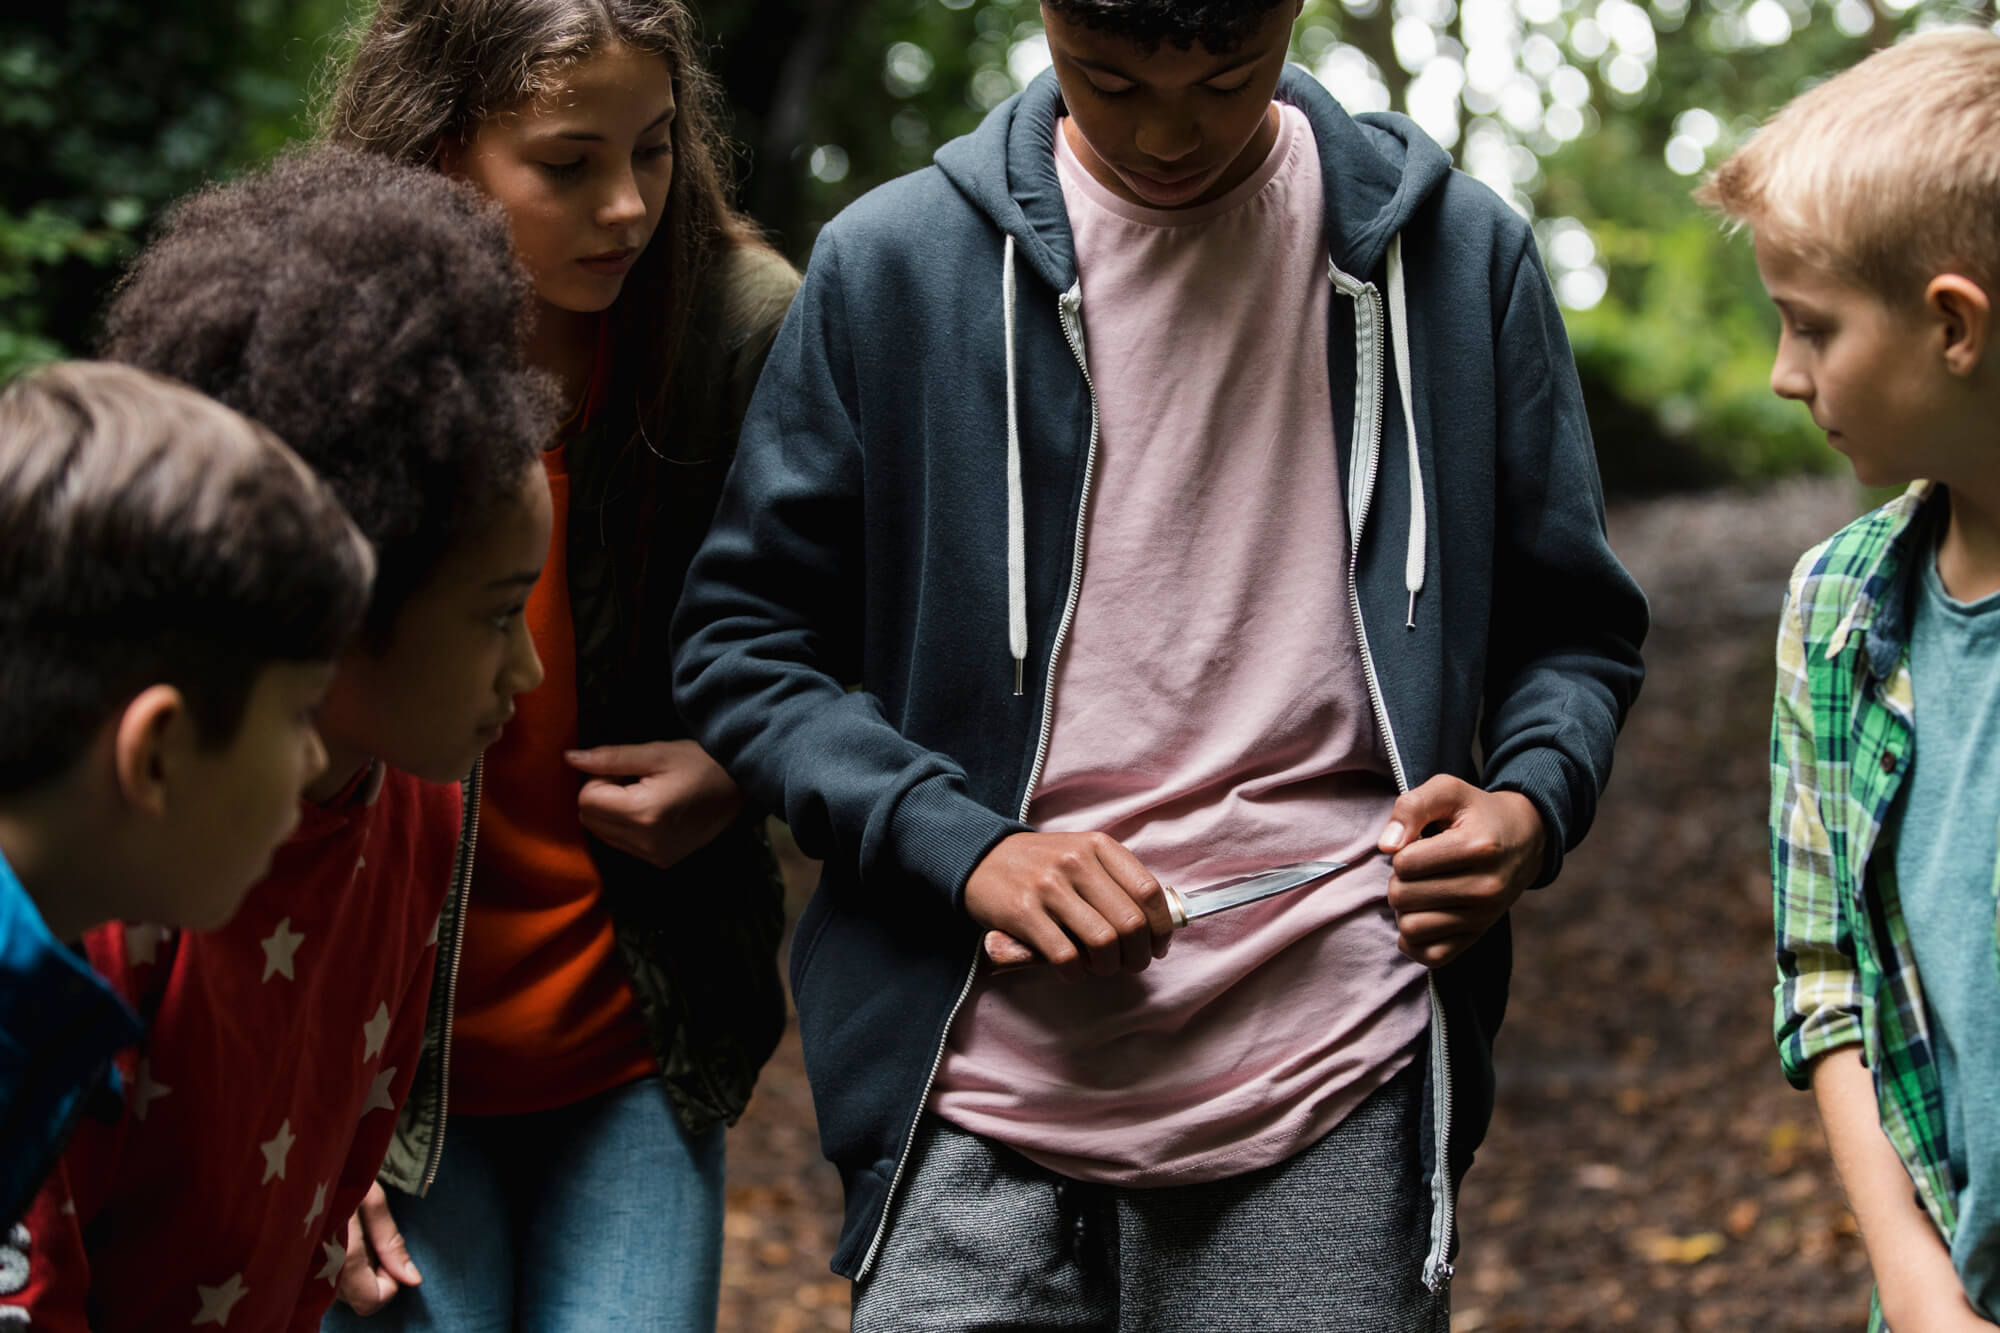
[
  {"x": 1546, "y": 779},
  {"x": 938, "y": 835}
]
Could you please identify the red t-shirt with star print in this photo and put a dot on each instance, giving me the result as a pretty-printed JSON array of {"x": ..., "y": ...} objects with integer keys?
[{"x": 261, "y": 1103}]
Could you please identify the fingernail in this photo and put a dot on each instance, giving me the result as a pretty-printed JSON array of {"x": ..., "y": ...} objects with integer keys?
[{"x": 1393, "y": 835}]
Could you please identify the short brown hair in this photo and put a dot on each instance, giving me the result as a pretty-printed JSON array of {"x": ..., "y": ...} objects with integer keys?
[
  {"x": 1887, "y": 174},
  {"x": 149, "y": 535}
]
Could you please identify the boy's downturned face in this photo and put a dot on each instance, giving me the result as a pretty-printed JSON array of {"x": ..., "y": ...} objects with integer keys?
[
  {"x": 1168, "y": 128},
  {"x": 442, "y": 688},
  {"x": 1872, "y": 373},
  {"x": 227, "y": 809}
]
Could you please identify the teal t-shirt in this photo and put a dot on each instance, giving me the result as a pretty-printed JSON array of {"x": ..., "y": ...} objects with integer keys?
[
  {"x": 59, "y": 1027},
  {"x": 1947, "y": 854}
]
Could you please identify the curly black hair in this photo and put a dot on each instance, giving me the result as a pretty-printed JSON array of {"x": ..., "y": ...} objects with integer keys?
[
  {"x": 1219, "y": 25},
  {"x": 372, "y": 315}
]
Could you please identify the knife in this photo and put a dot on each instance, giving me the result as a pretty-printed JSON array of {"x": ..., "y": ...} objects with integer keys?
[{"x": 1185, "y": 905}]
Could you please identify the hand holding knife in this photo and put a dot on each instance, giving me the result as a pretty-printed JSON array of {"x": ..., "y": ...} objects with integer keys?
[{"x": 1003, "y": 951}]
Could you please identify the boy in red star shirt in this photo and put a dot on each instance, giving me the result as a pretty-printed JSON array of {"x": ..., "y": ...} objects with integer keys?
[{"x": 370, "y": 315}]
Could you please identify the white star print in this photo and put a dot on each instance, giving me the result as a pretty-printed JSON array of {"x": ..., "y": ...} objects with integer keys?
[
  {"x": 218, "y": 1302},
  {"x": 335, "y": 1257},
  {"x": 378, "y": 1092},
  {"x": 142, "y": 943},
  {"x": 319, "y": 1206},
  {"x": 145, "y": 1092},
  {"x": 375, "y": 1031},
  {"x": 279, "y": 946},
  {"x": 276, "y": 1149}
]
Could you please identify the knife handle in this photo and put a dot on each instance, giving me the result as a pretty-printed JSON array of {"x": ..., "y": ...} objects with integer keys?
[{"x": 1004, "y": 953}]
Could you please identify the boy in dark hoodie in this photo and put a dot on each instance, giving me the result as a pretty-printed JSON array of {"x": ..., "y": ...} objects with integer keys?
[{"x": 1195, "y": 481}]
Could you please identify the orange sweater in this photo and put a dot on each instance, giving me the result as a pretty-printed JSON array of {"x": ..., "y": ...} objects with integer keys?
[{"x": 546, "y": 1015}]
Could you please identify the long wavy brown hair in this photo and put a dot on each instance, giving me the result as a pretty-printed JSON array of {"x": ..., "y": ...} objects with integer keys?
[{"x": 424, "y": 73}]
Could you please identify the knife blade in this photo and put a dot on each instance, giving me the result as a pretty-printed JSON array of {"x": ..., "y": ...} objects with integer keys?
[{"x": 1185, "y": 905}]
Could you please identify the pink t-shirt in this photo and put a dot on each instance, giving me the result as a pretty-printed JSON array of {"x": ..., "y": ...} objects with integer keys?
[{"x": 1210, "y": 713}]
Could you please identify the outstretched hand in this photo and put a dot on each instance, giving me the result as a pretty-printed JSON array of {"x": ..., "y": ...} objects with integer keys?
[
  {"x": 658, "y": 801},
  {"x": 1452, "y": 884}
]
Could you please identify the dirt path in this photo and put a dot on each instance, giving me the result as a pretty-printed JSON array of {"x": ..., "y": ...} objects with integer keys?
[{"x": 1648, "y": 1168}]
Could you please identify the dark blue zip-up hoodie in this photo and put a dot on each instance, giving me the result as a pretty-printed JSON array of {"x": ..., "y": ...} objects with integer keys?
[{"x": 845, "y": 640}]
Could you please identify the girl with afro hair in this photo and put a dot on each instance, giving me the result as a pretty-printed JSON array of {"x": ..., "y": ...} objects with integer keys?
[{"x": 618, "y": 991}]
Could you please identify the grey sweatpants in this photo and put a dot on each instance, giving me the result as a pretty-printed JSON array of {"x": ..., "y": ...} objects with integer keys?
[{"x": 1331, "y": 1239}]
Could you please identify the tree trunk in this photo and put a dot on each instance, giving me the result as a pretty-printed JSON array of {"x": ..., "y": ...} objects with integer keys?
[{"x": 776, "y": 187}]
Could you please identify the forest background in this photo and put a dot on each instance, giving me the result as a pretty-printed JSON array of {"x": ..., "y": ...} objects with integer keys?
[
  {"x": 1648, "y": 1169},
  {"x": 1594, "y": 117}
]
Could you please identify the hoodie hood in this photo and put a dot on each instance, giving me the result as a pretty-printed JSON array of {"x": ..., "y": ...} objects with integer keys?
[{"x": 1387, "y": 168}]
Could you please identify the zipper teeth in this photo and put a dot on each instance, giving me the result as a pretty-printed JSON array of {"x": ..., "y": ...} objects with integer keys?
[
  {"x": 468, "y": 840},
  {"x": 1437, "y": 1269},
  {"x": 1068, "y": 304},
  {"x": 910, "y": 1138}
]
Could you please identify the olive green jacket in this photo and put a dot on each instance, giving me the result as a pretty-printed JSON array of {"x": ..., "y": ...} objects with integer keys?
[{"x": 700, "y": 939}]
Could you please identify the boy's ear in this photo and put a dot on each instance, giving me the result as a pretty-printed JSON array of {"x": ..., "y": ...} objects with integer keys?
[
  {"x": 146, "y": 735},
  {"x": 1965, "y": 317},
  {"x": 451, "y": 156}
]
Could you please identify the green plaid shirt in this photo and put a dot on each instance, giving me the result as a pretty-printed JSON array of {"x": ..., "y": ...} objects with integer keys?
[{"x": 1841, "y": 734}]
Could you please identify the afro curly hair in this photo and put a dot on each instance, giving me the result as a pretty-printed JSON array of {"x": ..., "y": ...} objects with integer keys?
[
  {"x": 1219, "y": 25},
  {"x": 371, "y": 315}
]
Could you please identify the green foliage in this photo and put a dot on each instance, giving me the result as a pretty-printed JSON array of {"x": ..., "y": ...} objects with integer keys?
[
  {"x": 109, "y": 109},
  {"x": 915, "y": 76},
  {"x": 1676, "y": 356},
  {"x": 1676, "y": 360}
]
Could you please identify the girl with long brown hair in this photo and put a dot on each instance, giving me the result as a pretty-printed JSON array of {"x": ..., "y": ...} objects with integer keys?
[{"x": 558, "y": 1164}]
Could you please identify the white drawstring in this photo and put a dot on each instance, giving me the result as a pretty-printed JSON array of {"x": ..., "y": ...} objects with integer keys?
[
  {"x": 1017, "y": 536},
  {"x": 1399, "y": 338}
]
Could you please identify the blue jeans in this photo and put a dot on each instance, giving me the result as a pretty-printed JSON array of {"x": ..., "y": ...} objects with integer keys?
[{"x": 601, "y": 1215}]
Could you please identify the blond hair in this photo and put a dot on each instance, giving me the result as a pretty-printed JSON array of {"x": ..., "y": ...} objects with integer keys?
[{"x": 1887, "y": 174}]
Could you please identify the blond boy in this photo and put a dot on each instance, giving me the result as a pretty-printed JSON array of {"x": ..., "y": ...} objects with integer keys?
[{"x": 1875, "y": 203}]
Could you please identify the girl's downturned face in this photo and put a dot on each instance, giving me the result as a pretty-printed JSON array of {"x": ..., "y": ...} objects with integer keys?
[{"x": 582, "y": 172}]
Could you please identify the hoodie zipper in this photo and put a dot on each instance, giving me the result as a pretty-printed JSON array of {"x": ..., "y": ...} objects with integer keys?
[
  {"x": 1438, "y": 1269},
  {"x": 468, "y": 840},
  {"x": 1070, "y": 307}
]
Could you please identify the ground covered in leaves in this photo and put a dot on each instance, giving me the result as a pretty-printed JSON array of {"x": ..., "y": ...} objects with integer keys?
[{"x": 1648, "y": 1168}]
